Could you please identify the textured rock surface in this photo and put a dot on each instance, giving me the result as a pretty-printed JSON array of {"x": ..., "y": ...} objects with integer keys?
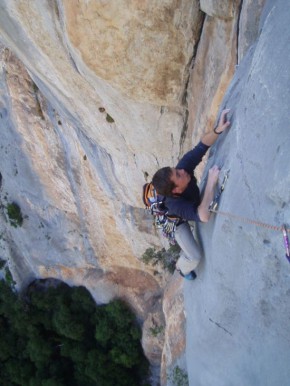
[
  {"x": 49, "y": 174},
  {"x": 223, "y": 9},
  {"x": 76, "y": 175},
  {"x": 173, "y": 307},
  {"x": 213, "y": 70},
  {"x": 249, "y": 25},
  {"x": 97, "y": 112},
  {"x": 102, "y": 187},
  {"x": 143, "y": 49},
  {"x": 238, "y": 308}
]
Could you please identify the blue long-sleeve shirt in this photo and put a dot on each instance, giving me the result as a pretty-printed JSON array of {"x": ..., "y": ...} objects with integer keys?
[{"x": 185, "y": 205}]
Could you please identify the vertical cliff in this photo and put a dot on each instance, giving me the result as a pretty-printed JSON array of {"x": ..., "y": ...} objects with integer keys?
[
  {"x": 92, "y": 102},
  {"x": 94, "y": 97},
  {"x": 92, "y": 125},
  {"x": 238, "y": 309}
]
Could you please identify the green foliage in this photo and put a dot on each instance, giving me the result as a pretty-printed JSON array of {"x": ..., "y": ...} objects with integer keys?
[
  {"x": 118, "y": 335},
  {"x": 56, "y": 336},
  {"x": 178, "y": 377},
  {"x": 66, "y": 324},
  {"x": 156, "y": 330},
  {"x": 14, "y": 214},
  {"x": 109, "y": 118},
  {"x": 167, "y": 258}
]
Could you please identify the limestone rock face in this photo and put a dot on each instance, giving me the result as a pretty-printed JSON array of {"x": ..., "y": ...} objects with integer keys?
[
  {"x": 213, "y": 69},
  {"x": 153, "y": 336},
  {"x": 175, "y": 333},
  {"x": 143, "y": 49},
  {"x": 223, "y": 9},
  {"x": 94, "y": 97},
  {"x": 238, "y": 311},
  {"x": 249, "y": 25},
  {"x": 100, "y": 148}
]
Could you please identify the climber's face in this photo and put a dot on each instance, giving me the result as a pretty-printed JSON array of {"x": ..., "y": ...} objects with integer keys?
[{"x": 181, "y": 179}]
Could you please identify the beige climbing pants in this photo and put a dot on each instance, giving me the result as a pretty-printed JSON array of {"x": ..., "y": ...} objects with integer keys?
[{"x": 191, "y": 253}]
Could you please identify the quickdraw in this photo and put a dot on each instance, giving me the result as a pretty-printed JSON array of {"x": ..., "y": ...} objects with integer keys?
[
  {"x": 213, "y": 208},
  {"x": 214, "y": 204},
  {"x": 286, "y": 242}
]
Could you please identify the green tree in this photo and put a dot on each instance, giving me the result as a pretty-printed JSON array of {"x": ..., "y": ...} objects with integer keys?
[
  {"x": 39, "y": 349},
  {"x": 52, "y": 382},
  {"x": 58, "y": 336},
  {"x": 19, "y": 371},
  {"x": 65, "y": 324}
]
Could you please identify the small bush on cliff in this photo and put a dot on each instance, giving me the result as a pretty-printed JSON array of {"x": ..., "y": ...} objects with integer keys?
[
  {"x": 155, "y": 331},
  {"x": 58, "y": 336},
  {"x": 14, "y": 214},
  {"x": 109, "y": 119},
  {"x": 178, "y": 377},
  {"x": 167, "y": 259}
]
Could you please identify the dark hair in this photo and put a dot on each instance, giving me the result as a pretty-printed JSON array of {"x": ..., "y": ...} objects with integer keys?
[{"x": 162, "y": 181}]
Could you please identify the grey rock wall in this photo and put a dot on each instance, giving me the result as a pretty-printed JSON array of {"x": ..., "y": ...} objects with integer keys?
[
  {"x": 77, "y": 175},
  {"x": 238, "y": 309}
]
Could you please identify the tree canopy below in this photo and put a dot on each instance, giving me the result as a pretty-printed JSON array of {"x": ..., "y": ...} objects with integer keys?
[{"x": 58, "y": 336}]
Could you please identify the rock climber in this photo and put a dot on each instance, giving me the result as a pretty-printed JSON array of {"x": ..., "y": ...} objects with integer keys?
[{"x": 183, "y": 198}]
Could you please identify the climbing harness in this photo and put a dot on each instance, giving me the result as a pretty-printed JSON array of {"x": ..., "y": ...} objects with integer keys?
[
  {"x": 213, "y": 208},
  {"x": 161, "y": 220},
  {"x": 169, "y": 228}
]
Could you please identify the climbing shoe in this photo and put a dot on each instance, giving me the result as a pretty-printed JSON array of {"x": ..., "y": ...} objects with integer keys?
[{"x": 190, "y": 276}]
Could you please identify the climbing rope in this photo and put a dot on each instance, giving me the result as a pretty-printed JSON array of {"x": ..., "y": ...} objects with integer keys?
[
  {"x": 250, "y": 221},
  {"x": 213, "y": 208},
  {"x": 282, "y": 228}
]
